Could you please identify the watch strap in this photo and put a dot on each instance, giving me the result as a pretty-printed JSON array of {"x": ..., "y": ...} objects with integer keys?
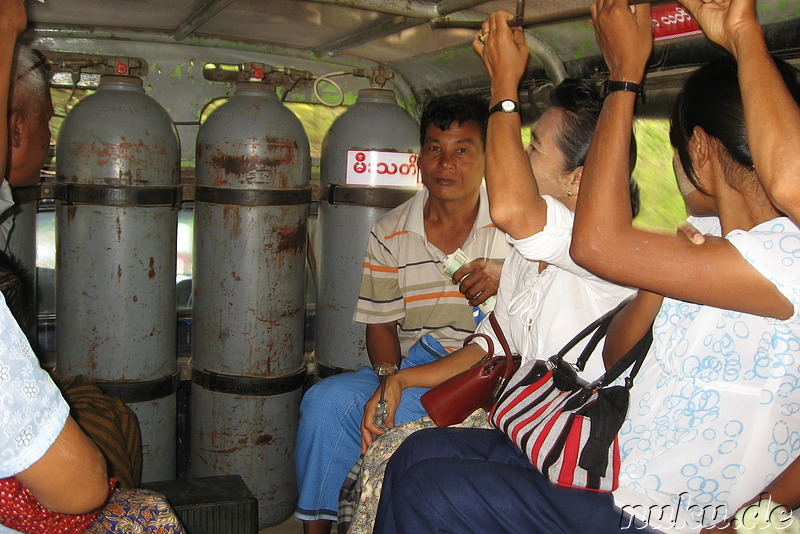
[
  {"x": 616, "y": 85},
  {"x": 499, "y": 106}
]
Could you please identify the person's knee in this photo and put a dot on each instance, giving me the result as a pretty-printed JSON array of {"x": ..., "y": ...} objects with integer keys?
[
  {"x": 417, "y": 497},
  {"x": 419, "y": 446},
  {"x": 327, "y": 398},
  {"x": 425, "y": 443}
]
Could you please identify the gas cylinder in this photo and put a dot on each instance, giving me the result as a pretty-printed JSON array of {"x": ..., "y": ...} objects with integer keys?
[
  {"x": 118, "y": 169},
  {"x": 373, "y": 135},
  {"x": 252, "y": 199},
  {"x": 22, "y": 245}
]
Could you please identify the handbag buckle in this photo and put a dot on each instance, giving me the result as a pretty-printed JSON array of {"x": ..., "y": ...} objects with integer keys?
[{"x": 498, "y": 388}]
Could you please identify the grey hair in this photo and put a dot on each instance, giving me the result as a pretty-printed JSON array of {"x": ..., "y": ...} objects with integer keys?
[{"x": 30, "y": 90}]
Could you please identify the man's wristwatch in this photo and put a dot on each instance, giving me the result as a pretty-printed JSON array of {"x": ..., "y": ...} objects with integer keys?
[{"x": 506, "y": 106}]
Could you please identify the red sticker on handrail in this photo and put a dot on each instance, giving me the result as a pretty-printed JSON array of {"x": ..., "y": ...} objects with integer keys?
[{"x": 671, "y": 21}]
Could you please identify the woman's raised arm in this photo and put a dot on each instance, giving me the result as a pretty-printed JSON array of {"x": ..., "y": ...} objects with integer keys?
[
  {"x": 604, "y": 240},
  {"x": 514, "y": 201}
]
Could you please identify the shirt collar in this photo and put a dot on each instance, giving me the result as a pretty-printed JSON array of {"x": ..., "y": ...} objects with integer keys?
[{"x": 415, "y": 221}]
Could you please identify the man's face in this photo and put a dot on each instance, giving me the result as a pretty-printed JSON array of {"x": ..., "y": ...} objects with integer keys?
[
  {"x": 27, "y": 158},
  {"x": 451, "y": 161}
]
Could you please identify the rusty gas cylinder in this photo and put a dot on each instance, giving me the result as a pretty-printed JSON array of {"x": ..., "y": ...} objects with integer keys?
[{"x": 251, "y": 211}]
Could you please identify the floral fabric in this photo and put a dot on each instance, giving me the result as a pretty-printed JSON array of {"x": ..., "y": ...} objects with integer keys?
[
  {"x": 361, "y": 492},
  {"x": 136, "y": 511}
]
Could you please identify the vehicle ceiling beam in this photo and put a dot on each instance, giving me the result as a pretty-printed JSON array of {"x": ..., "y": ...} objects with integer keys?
[
  {"x": 372, "y": 33},
  {"x": 407, "y": 8},
  {"x": 200, "y": 17}
]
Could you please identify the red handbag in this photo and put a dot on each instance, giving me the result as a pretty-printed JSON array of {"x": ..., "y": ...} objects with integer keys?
[{"x": 456, "y": 398}]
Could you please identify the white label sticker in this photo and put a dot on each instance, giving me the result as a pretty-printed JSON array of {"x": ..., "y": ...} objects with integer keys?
[{"x": 373, "y": 167}]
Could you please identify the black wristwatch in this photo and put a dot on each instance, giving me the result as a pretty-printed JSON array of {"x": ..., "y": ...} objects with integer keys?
[
  {"x": 506, "y": 106},
  {"x": 609, "y": 86}
]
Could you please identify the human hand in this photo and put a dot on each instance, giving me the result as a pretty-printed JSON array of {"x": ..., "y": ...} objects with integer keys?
[
  {"x": 687, "y": 230},
  {"x": 392, "y": 394},
  {"x": 503, "y": 51},
  {"x": 13, "y": 18},
  {"x": 479, "y": 279},
  {"x": 625, "y": 36},
  {"x": 723, "y": 21}
]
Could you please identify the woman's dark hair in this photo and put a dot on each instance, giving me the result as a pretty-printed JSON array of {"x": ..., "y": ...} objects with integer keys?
[
  {"x": 580, "y": 100},
  {"x": 16, "y": 285},
  {"x": 443, "y": 111},
  {"x": 711, "y": 98}
]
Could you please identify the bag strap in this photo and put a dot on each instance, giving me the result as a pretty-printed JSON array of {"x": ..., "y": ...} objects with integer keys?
[
  {"x": 599, "y": 327},
  {"x": 503, "y": 343},
  {"x": 489, "y": 342},
  {"x": 635, "y": 356}
]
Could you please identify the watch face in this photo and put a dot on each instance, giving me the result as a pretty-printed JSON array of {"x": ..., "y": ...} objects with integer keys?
[{"x": 508, "y": 105}]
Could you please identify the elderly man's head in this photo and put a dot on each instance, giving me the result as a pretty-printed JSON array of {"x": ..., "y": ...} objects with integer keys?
[{"x": 30, "y": 109}]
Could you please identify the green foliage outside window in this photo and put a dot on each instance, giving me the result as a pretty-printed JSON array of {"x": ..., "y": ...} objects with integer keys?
[{"x": 662, "y": 204}]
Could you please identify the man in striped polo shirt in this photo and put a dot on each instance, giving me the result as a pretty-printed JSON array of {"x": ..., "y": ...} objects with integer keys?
[{"x": 414, "y": 313}]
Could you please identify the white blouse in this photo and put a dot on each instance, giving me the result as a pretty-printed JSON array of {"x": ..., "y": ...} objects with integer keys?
[{"x": 540, "y": 312}]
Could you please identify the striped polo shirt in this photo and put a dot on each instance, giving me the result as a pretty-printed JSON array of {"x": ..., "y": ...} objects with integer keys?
[{"x": 403, "y": 281}]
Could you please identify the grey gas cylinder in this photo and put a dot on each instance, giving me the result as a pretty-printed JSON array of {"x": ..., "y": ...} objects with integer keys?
[
  {"x": 118, "y": 168},
  {"x": 251, "y": 212},
  {"x": 374, "y": 126},
  {"x": 22, "y": 245}
]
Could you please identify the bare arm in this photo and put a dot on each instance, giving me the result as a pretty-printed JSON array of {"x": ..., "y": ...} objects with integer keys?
[
  {"x": 71, "y": 476},
  {"x": 12, "y": 23},
  {"x": 636, "y": 318},
  {"x": 514, "y": 200},
  {"x": 630, "y": 325},
  {"x": 772, "y": 116},
  {"x": 427, "y": 375},
  {"x": 783, "y": 490},
  {"x": 383, "y": 344},
  {"x": 604, "y": 240}
]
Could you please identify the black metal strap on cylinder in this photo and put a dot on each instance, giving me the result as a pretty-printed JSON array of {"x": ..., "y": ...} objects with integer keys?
[
  {"x": 24, "y": 194},
  {"x": 131, "y": 391},
  {"x": 372, "y": 197},
  {"x": 117, "y": 195},
  {"x": 252, "y": 197},
  {"x": 324, "y": 371},
  {"x": 253, "y": 386}
]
